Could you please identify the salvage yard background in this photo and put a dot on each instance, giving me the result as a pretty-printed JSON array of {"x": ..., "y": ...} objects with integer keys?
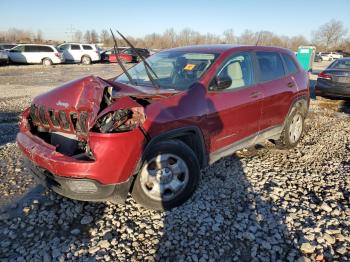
[{"x": 260, "y": 203}]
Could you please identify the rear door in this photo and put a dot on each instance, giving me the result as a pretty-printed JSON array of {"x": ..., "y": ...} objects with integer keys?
[
  {"x": 278, "y": 87},
  {"x": 75, "y": 52},
  {"x": 234, "y": 112},
  {"x": 31, "y": 54}
]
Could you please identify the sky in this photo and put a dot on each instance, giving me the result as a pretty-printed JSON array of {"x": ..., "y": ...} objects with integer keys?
[{"x": 137, "y": 18}]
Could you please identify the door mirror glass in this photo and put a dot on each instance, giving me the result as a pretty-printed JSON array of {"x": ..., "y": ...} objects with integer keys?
[{"x": 222, "y": 82}]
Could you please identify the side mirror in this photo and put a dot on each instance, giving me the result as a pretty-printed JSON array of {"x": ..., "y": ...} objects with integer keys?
[{"x": 223, "y": 82}]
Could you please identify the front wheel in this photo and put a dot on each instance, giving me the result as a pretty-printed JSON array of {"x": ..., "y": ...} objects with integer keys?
[
  {"x": 168, "y": 177},
  {"x": 292, "y": 130}
]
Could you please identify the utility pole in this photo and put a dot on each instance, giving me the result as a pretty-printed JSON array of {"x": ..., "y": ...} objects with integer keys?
[{"x": 70, "y": 32}]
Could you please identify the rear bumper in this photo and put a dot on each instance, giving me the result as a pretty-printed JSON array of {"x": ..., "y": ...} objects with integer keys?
[
  {"x": 81, "y": 189},
  {"x": 332, "y": 91}
]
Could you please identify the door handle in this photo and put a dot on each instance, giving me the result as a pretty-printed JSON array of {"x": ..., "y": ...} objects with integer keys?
[
  {"x": 255, "y": 94},
  {"x": 290, "y": 84}
]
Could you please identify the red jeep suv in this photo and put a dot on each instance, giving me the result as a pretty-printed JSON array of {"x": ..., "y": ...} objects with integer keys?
[{"x": 150, "y": 130}]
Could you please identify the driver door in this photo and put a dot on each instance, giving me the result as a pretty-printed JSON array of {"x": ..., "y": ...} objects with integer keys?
[{"x": 234, "y": 112}]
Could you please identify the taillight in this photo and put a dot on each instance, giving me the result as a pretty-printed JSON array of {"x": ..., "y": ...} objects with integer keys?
[
  {"x": 324, "y": 75},
  {"x": 57, "y": 54}
]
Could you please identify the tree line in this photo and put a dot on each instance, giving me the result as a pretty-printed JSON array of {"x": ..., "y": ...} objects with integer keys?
[{"x": 329, "y": 36}]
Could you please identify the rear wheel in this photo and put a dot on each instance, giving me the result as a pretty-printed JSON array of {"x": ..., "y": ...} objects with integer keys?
[
  {"x": 168, "y": 177},
  {"x": 47, "y": 62},
  {"x": 86, "y": 60},
  {"x": 293, "y": 129}
]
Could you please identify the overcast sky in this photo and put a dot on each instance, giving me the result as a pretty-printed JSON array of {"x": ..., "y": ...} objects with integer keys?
[{"x": 137, "y": 18}]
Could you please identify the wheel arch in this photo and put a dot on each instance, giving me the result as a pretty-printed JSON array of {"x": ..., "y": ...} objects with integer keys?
[
  {"x": 191, "y": 135},
  {"x": 298, "y": 102}
]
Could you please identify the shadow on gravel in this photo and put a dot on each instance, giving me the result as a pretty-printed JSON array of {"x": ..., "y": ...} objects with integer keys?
[{"x": 226, "y": 221}]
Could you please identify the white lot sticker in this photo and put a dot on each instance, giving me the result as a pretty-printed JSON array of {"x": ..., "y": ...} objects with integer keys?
[
  {"x": 64, "y": 104},
  {"x": 304, "y": 51}
]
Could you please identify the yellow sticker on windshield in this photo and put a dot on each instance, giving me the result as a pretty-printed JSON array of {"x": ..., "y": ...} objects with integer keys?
[{"x": 189, "y": 67}]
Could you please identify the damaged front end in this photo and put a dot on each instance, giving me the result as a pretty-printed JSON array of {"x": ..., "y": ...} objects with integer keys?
[{"x": 67, "y": 121}]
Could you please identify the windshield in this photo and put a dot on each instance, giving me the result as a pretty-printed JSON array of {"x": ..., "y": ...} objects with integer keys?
[
  {"x": 176, "y": 70},
  {"x": 341, "y": 64}
]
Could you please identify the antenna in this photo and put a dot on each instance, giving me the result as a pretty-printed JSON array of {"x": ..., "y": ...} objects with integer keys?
[{"x": 259, "y": 36}]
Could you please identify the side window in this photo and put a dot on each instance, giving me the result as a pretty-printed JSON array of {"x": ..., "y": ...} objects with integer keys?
[
  {"x": 31, "y": 48},
  {"x": 75, "y": 47},
  {"x": 45, "y": 49},
  {"x": 237, "y": 70},
  {"x": 271, "y": 66},
  {"x": 87, "y": 47},
  {"x": 291, "y": 66},
  {"x": 18, "y": 49},
  {"x": 63, "y": 47}
]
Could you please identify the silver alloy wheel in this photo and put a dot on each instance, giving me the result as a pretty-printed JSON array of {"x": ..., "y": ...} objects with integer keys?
[
  {"x": 47, "y": 62},
  {"x": 295, "y": 128},
  {"x": 164, "y": 177},
  {"x": 86, "y": 60}
]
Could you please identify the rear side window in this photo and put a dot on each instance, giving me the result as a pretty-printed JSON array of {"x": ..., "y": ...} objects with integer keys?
[
  {"x": 271, "y": 66},
  {"x": 291, "y": 66},
  {"x": 87, "y": 47},
  {"x": 64, "y": 47},
  {"x": 75, "y": 47},
  {"x": 44, "y": 49},
  {"x": 30, "y": 48}
]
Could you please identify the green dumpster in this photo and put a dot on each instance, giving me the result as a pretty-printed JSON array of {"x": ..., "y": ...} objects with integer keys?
[{"x": 305, "y": 56}]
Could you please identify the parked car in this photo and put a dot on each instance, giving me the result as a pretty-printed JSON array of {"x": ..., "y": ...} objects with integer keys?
[
  {"x": 111, "y": 57},
  {"x": 80, "y": 53},
  {"x": 6, "y": 46},
  {"x": 4, "y": 59},
  {"x": 150, "y": 134},
  {"x": 317, "y": 58},
  {"x": 135, "y": 58},
  {"x": 334, "y": 81},
  {"x": 329, "y": 56},
  {"x": 35, "y": 54}
]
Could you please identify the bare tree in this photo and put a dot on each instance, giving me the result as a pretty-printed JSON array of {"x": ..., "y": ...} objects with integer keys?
[
  {"x": 39, "y": 36},
  {"x": 229, "y": 36},
  {"x": 78, "y": 36},
  {"x": 87, "y": 36},
  {"x": 248, "y": 37},
  {"x": 94, "y": 36},
  {"x": 105, "y": 37},
  {"x": 330, "y": 35}
]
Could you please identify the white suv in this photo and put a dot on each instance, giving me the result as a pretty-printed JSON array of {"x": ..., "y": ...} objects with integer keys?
[
  {"x": 35, "y": 54},
  {"x": 81, "y": 53},
  {"x": 329, "y": 56}
]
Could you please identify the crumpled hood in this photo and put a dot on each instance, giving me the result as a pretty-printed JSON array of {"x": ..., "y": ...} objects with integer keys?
[
  {"x": 72, "y": 107},
  {"x": 75, "y": 106}
]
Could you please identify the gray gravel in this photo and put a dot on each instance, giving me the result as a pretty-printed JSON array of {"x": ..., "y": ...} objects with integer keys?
[{"x": 262, "y": 204}]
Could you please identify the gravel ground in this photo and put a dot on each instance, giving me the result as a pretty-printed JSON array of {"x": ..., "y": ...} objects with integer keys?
[{"x": 261, "y": 204}]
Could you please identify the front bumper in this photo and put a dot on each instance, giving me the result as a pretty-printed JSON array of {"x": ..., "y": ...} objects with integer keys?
[
  {"x": 116, "y": 156},
  {"x": 81, "y": 189}
]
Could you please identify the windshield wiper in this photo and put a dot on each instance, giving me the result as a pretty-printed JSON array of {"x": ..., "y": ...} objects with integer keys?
[
  {"x": 147, "y": 66},
  {"x": 116, "y": 51}
]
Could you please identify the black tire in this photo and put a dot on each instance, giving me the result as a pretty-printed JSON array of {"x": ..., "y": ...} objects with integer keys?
[
  {"x": 47, "y": 62},
  {"x": 85, "y": 60},
  {"x": 285, "y": 141},
  {"x": 181, "y": 150}
]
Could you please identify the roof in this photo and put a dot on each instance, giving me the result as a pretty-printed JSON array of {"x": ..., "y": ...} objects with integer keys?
[{"x": 220, "y": 48}]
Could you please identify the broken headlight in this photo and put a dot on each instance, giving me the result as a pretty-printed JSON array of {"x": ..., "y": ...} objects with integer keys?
[{"x": 121, "y": 120}]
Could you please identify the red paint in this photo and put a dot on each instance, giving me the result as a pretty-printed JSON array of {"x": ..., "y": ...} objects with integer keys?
[
  {"x": 223, "y": 117},
  {"x": 112, "y": 58}
]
